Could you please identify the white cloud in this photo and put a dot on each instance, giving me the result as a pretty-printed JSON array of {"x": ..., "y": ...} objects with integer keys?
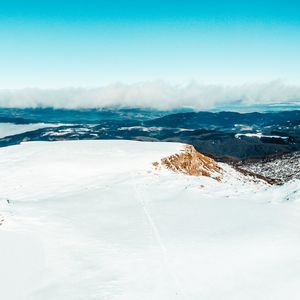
[{"x": 155, "y": 94}]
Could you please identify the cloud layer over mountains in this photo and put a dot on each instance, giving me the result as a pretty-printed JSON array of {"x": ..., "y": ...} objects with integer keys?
[{"x": 155, "y": 94}]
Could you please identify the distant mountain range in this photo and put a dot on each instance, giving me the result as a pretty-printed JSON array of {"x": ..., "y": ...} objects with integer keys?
[{"x": 222, "y": 135}]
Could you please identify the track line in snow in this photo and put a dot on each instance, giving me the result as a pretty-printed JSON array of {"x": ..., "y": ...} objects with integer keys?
[{"x": 141, "y": 198}]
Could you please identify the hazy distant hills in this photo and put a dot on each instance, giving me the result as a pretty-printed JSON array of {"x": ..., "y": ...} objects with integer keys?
[
  {"x": 223, "y": 135},
  {"x": 84, "y": 116},
  {"x": 192, "y": 120}
]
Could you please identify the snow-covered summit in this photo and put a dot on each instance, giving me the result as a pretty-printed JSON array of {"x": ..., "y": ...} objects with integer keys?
[{"x": 96, "y": 220}]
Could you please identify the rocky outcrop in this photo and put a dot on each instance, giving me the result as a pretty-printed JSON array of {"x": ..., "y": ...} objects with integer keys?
[{"x": 191, "y": 162}]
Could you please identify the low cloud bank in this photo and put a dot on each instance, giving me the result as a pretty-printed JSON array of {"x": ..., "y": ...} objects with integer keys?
[{"x": 156, "y": 95}]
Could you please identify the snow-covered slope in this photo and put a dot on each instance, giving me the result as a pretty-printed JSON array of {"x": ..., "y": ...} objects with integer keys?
[
  {"x": 280, "y": 169},
  {"x": 95, "y": 220}
]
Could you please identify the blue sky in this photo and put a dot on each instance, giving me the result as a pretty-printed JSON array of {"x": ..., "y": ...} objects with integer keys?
[{"x": 55, "y": 44}]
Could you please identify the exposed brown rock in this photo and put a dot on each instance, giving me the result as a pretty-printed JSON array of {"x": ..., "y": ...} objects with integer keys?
[{"x": 191, "y": 162}]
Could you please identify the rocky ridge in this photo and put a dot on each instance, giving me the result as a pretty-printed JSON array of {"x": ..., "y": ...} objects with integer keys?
[{"x": 191, "y": 162}]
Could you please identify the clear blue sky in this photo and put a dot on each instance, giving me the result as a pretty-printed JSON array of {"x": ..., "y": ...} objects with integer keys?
[{"x": 52, "y": 44}]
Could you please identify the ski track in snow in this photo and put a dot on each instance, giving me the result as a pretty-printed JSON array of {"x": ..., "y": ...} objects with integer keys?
[{"x": 173, "y": 274}]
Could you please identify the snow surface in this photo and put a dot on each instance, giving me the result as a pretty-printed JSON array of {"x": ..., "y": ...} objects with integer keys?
[
  {"x": 94, "y": 220},
  {"x": 8, "y": 129}
]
